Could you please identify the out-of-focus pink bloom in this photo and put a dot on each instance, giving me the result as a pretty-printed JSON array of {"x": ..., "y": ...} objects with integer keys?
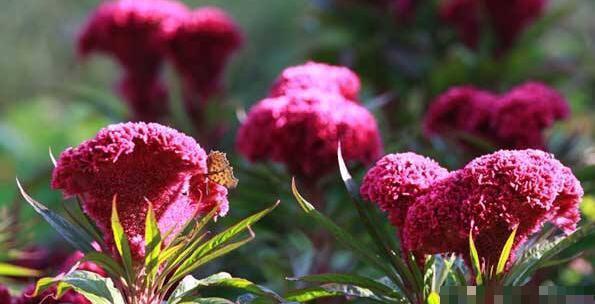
[
  {"x": 396, "y": 180},
  {"x": 131, "y": 32},
  {"x": 460, "y": 109},
  {"x": 303, "y": 129},
  {"x": 491, "y": 196},
  {"x": 318, "y": 76},
  {"x": 200, "y": 45},
  {"x": 525, "y": 112},
  {"x": 85, "y": 265},
  {"x": 4, "y": 295},
  {"x": 139, "y": 163},
  {"x": 404, "y": 9},
  {"x": 507, "y": 19},
  {"x": 515, "y": 120}
]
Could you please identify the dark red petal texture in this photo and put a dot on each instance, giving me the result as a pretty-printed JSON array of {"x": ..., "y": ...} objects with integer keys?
[
  {"x": 139, "y": 163},
  {"x": 396, "y": 180},
  {"x": 320, "y": 76},
  {"x": 491, "y": 195},
  {"x": 302, "y": 130}
]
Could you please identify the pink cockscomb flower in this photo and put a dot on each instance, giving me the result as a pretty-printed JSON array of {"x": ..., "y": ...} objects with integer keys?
[
  {"x": 200, "y": 45},
  {"x": 491, "y": 196},
  {"x": 507, "y": 19},
  {"x": 139, "y": 163},
  {"x": 460, "y": 109},
  {"x": 525, "y": 112},
  {"x": 130, "y": 31},
  {"x": 396, "y": 180},
  {"x": 302, "y": 130},
  {"x": 48, "y": 297},
  {"x": 319, "y": 76}
]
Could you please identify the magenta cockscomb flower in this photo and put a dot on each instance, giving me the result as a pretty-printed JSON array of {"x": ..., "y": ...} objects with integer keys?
[
  {"x": 507, "y": 19},
  {"x": 130, "y": 31},
  {"x": 139, "y": 163},
  {"x": 491, "y": 196},
  {"x": 200, "y": 45},
  {"x": 48, "y": 297},
  {"x": 460, "y": 109},
  {"x": 525, "y": 112},
  {"x": 319, "y": 76},
  {"x": 515, "y": 120},
  {"x": 396, "y": 180},
  {"x": 302, "y": 130}
]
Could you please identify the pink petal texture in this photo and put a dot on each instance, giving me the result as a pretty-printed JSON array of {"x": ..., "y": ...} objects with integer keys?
[
  {"x": 303, "y": 129},
  {"x": 490, "y": 196},
  {"x": 328, "y": 78},
  {"x": 514, "y": 120},
  {"x": 139, "y": 163},
  {"x": 396, "y": 180}
]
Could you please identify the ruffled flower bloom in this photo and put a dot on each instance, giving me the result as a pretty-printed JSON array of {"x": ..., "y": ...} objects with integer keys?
[
  {"x": 130, "y": 31},
  {"x": 303, "y": 129},
  {"x": 47, "y": 297},
  {"x": 139, "y": 163},
  {"x": 319, "y": 76},
  {"x": 200, "y": 45},
  {"x": 515, "y": 120},
  {"x": 491, "y": 196},
  {"x": 396, "y": 180},
  {"x": 507, "y": 19},
  {"x": 523, "y": 114}
]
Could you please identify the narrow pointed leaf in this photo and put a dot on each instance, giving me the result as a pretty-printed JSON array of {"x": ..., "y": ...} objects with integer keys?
[
  {"x": 152, "y": 245},
  {"x": 17, "y": 271},
  {"x": 348, "y": 279},
  {"x": 505, "y": 254},
  {"x": 121, "y": 240},
  {"x": 475, "y": 260}
]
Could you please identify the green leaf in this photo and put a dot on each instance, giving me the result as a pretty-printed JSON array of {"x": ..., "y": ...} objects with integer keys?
[
  {"x": 433, "y": 298},
  {"x": 207, "y": 301},
  {"x": 475, "y": 260},
  {"x": 505, "y": 254},
  {"x": 17, "y": 271},
  {"x": 351, "y": 279},
  {"x": 152, "y": 245},
  {"x": 95, "y": 288},
  {"x": 309, "y": 294},
  {"x": 74, "y": 235},
  {"x": 106, "y": 262},
  {"x": 121, "y": 241},
  {"x": 349, "y": 290}
]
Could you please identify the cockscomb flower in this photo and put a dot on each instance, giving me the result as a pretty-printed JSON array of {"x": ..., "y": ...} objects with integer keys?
[
  {"x": 319, "y": 76},
  {"x": 460, "y": 109},
  {"x": 200, "y": 45},
  {"x": 396, "y": 180},
  {"x": 139, "y": 163},
  {"x": 491, "y": 196},
  {"x": 525, "y": 112},
  {"x": 130, "y": 31},
  {"x": 507, "y": 19},
  {"x": 303, "y": 129}
]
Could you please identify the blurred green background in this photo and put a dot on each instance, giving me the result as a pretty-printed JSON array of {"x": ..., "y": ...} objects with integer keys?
[{"x": 50, "y": 99}]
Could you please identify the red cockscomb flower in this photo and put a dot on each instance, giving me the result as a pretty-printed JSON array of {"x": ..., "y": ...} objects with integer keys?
[
  {"x": 492, "y": 195},
  {"x": 460, "y": 109},
  {"x": 396, "y": 180},
  {"x": 319, "y": 76},
  {"x": 302, "y": 130},
  {"x": 200, "y": 45},
  {"x": 525, "y": 112},
  {"x": 139, "y": 163},
  {"x": 47, "y": 297},
  {"x": 507, "y": 19},
  {"x": 130, "y": 31}
]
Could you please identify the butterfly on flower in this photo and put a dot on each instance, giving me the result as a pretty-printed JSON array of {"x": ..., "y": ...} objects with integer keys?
[{"x": 220, "y": 171}]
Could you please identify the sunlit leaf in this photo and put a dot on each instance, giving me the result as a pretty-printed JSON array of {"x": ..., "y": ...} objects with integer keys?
[
  {"x": 152, "y": 245},
  {"x": 17, "y": 271},
  {"x": 475, "y": 260},
  {"x": 505, "y": 253},
  {"x": 121, "y": 240}
]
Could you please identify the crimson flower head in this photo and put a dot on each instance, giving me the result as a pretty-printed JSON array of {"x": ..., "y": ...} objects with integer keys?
[
  {"x": 139, "y": 163},
  {"x": 303, "y": 129},
  {"x": 507, "y": 19},
  {"x": 491, "y": 196},
  {"x": 396, "y": 180},
  {"x": 200, "y": 45},
  {"x": 525, "y": 112},
  {"x": 320, "y": 76},
  {"x": 131, "y": 32}
]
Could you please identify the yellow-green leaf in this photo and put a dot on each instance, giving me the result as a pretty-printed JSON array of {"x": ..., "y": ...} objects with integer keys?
[
  {"x": 121, "y": 240},
  {"x": 475, "y": 259},
  {"x": 505, "y": 254},
  {"x": 433, "y": 298},
  {"x": 152, "y": 244}
]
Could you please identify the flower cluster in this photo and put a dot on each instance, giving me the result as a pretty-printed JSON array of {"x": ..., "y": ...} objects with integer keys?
[
  {"x": 141, "y": 34},
  {"x": 515, "y": 120},
  {"x": 139, "y": 164},
  {"x": 507, "y": 19},
  {"x": 490, "y": 196},
  {"x": 306, "y": 117}
]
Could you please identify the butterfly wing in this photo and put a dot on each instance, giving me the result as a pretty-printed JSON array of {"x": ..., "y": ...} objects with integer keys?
[{"x": 220, "y": 170}]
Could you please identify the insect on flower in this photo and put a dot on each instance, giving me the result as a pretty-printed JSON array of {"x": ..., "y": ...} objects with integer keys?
[{"x": 220, "y": 170}]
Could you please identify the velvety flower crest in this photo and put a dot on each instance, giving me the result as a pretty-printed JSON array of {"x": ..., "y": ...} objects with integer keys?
[{"x": 139, "y": 163}]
